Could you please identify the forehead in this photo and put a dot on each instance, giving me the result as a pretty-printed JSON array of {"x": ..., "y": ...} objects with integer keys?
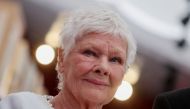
[{"x": 103, "y": 41}]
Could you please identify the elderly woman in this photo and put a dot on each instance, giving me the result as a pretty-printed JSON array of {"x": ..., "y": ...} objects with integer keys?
[{"x": 96, "y": 50}]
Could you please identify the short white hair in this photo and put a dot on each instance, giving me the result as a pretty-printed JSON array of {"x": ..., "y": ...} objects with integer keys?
[{"x": 95, "y": 20}]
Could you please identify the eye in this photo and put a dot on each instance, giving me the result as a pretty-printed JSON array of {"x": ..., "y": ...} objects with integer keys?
[
  {"x": 89, "y": 53},
  {"x": 115, "y": 60}
]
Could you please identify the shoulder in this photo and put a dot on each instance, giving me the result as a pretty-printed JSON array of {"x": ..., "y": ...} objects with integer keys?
[
  {"x": 21, "y": 100},
  {"x": 20, "y": 96},
  {"x": 177, "y": 94},
  {"x": 176, "y": 98}
]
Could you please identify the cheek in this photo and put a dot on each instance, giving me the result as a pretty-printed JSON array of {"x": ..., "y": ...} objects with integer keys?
[
  {"x": 83, "y": 64},
  {"x": 117, "y": 75}
]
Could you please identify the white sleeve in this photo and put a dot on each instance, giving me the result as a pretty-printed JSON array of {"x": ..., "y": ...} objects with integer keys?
[
  {"x": 10, "y": 102},
  {"x": 23, "y": 100}
]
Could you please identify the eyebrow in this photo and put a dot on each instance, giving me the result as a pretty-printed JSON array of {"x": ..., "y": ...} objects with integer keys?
[
  {"x": 116, "y": 51},
  {"x": 89, "y": 46}
]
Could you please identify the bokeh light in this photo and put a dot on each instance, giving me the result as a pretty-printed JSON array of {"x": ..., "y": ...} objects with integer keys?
[
  {"x": 52, "y": 38},
  {"x": 124, "y": 91},
  {"x": 45, "y": 54},
  {"x": 132, "y": 75}
]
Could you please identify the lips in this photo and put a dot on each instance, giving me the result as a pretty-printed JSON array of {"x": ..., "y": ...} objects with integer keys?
[{"x": 97, "y": 82}]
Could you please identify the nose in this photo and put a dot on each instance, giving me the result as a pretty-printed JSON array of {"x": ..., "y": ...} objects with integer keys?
[{"x": 102, "y": 67}]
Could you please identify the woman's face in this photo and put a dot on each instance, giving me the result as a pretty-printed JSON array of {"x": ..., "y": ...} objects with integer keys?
[{"x": 95, "y": 67}]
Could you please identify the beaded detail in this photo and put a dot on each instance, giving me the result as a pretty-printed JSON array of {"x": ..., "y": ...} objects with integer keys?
[{"x": 47, "y": 99}]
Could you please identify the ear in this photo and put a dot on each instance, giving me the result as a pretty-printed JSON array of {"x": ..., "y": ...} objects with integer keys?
[{"x": 60, "y": 60}]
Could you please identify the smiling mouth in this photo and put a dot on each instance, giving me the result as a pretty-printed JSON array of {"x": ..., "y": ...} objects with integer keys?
[{"x": 97, "y": 82}]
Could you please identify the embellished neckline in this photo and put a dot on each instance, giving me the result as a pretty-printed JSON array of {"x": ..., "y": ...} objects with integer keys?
[{"x": 47, "y": 99}]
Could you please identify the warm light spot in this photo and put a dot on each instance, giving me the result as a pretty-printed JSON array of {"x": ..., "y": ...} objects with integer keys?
[
  {"x": 45, "y": 54},
  {"x": 52, "y": 38},
  {"x": 132, "y": 75},
  {"x": 124, "y": 91}
]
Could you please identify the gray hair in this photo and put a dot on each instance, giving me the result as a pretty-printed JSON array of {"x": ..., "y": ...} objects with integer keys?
[{"x": 98, "y": 20}]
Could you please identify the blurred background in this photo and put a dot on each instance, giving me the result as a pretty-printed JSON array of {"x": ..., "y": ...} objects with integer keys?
[{"x": 28, "y": 43}]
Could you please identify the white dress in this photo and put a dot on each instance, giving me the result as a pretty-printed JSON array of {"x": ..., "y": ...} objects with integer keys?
[{"x": 25, "y": 100}]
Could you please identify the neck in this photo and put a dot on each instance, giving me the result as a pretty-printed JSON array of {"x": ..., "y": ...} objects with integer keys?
[{"x": 66, "y": 100}]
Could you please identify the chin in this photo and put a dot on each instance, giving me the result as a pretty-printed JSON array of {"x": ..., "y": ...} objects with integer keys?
[{"x": 97, "y": 96}]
